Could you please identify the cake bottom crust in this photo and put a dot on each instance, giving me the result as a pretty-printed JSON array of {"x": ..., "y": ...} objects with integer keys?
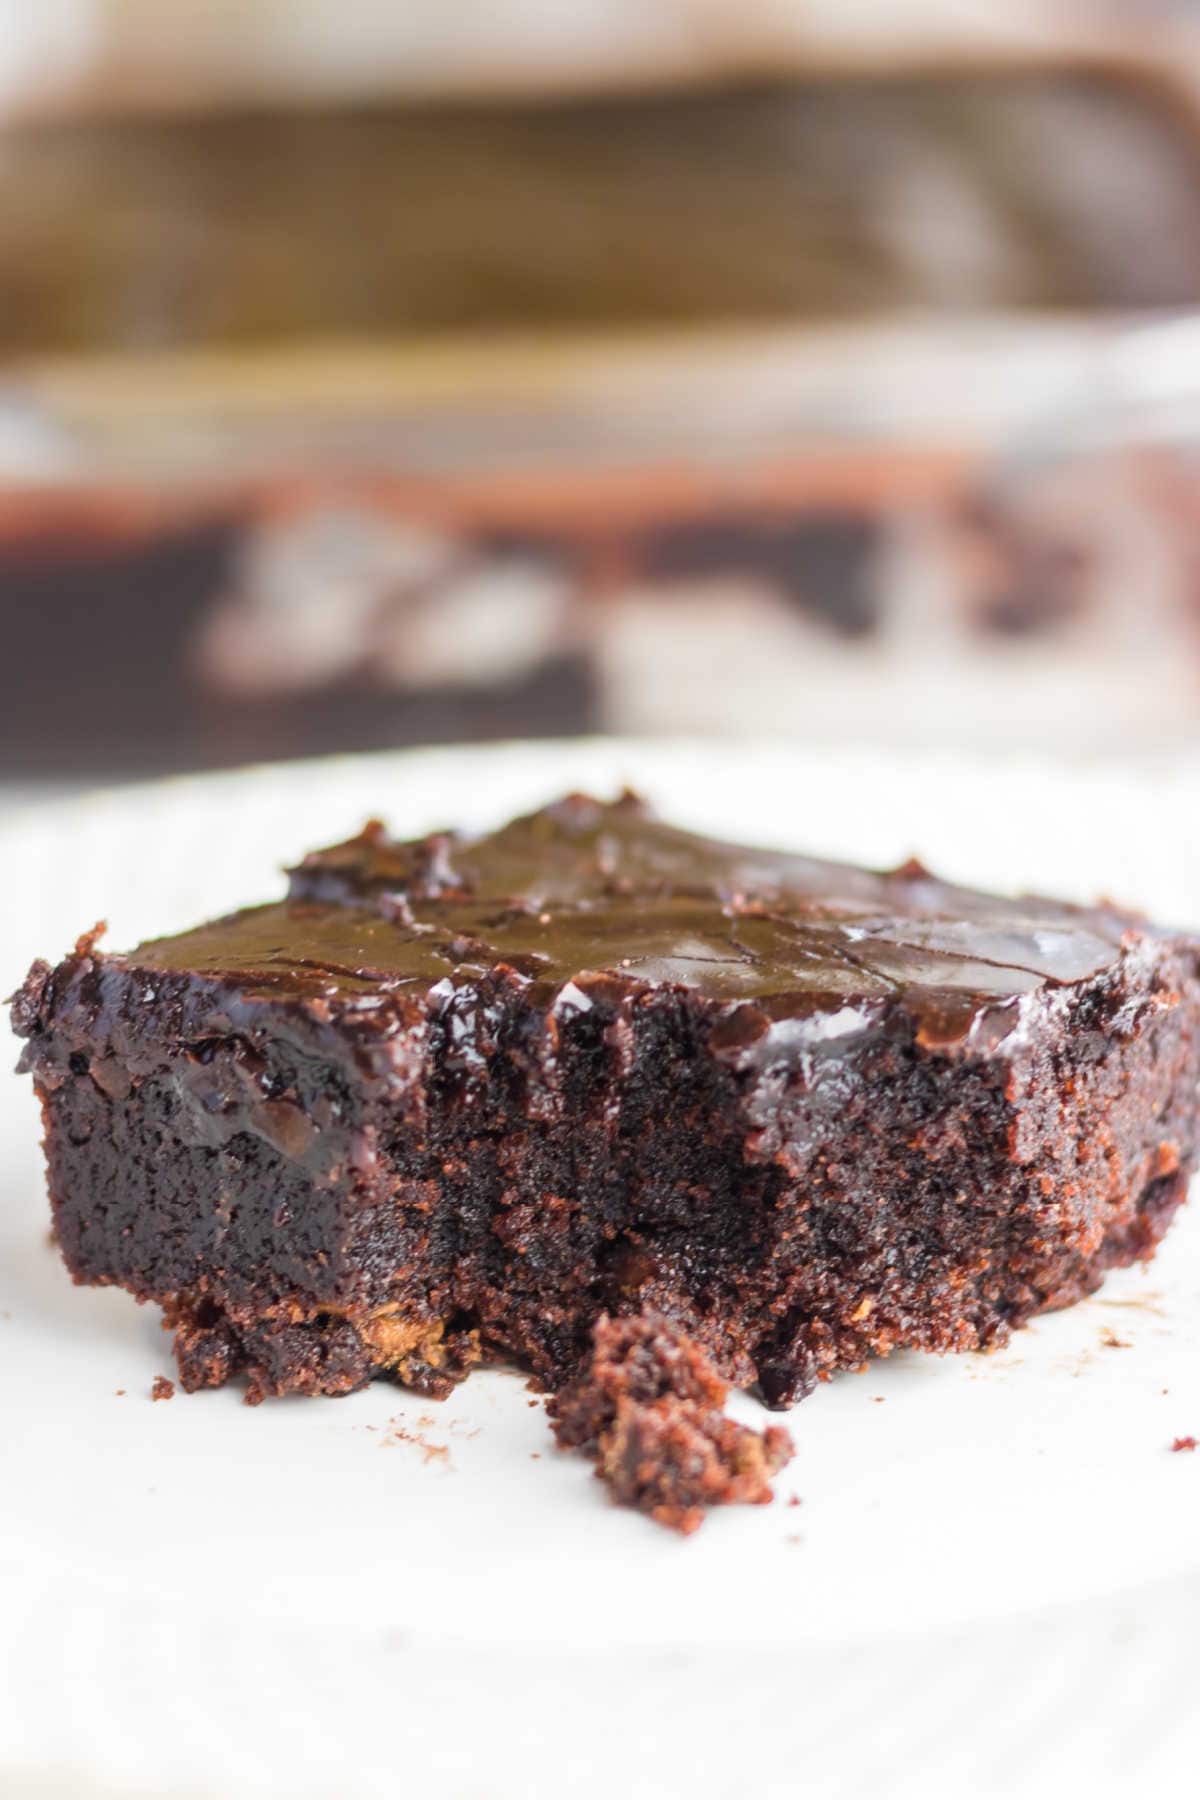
[
  {"x": 329, "y": 1354},
  {"x": 337, "y": 1353}
]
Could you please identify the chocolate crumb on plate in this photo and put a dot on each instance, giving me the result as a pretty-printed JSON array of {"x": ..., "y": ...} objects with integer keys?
[{"x": 648, "y": 1410}]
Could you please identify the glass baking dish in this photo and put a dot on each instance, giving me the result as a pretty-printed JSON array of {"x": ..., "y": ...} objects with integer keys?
[{"x": 807, "y": 407}]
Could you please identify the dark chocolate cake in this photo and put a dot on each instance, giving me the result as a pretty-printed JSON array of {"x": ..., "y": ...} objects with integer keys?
[{"x": 458, "y": 1098}]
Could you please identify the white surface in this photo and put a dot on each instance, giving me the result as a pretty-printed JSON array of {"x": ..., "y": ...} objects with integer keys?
[{"x": 993, "y": 1575}]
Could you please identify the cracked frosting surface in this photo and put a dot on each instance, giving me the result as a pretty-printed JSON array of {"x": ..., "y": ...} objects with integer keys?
[{"x": 584, "y": 890}]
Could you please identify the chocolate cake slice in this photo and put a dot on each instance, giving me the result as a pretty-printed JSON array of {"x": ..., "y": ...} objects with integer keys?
[{"x": 463, "y": 1098}]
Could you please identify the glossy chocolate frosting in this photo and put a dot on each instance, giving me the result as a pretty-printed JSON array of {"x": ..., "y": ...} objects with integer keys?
[{"x": 584, "y": 890}]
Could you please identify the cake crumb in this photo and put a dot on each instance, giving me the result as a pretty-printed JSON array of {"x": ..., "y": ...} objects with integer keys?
[
  {"x": 398, "y": 1434},
  {"x": 1111, "y": 1341},
  {"x": 1184, "y": 1443},
  {"x": 119, "y": 1393},
  {"x": 162, "y": 1389},
  {"x": 1148, "y": 1303},
  {"x": 648, "y": 1410}
]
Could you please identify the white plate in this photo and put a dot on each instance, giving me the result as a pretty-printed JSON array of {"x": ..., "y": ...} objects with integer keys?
[{"x": 347, "y": 1597}]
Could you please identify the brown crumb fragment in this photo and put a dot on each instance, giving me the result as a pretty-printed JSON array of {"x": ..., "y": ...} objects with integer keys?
[
  {"x": 1111, "y": 1341},
  {"x": 162, "y": 1389},
  {"x": 398, "y": 1434},
  {"x": 1184, "y": 1443},
  {"x": 794, "y": 1500},
  {"x": 119, "y": 1393},
  {"x": 86, "y": 942},
  {"x": 1147, "y": 1303},
  {"x": 648, "y": 1410}
]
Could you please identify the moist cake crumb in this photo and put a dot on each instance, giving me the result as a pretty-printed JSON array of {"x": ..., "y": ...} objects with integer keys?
[
  {"x": 648, "y": 1410},
  {"x": 162, "y": 1389}
]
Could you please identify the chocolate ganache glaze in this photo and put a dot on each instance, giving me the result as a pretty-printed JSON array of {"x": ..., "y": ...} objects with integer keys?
[{"x": 584, "y": 890}]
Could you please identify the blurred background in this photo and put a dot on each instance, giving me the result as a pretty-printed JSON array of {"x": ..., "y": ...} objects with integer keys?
[{"x": 382, "y": 374}]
